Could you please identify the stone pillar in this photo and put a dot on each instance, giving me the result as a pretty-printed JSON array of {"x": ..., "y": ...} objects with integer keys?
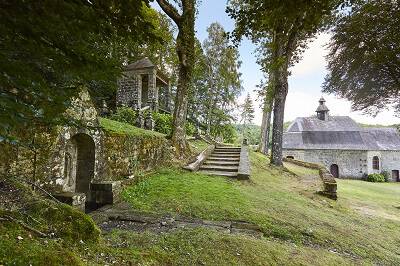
[
  {"x": 152, "y": 90},
  {"x": 139, "y": 119},
  {"x": 149, "y": 123},
  {"x": 138, "y": 100},
  {"x": 168, "y": 97}
]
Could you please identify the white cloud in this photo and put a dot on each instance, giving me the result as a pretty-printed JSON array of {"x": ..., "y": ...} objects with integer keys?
[{"x": 313, "y": 59}]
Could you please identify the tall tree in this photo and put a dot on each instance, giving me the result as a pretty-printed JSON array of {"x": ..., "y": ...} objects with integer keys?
[
  {"x": 283, "y": 28},
  {"x": 185, "y": 42},
  {"x": 222, "y": 76},
  {"x": 364, "y": 58},
  {"x": 49, "y": 48},
  {"x": 247, "y": 114},
  {"x": 267, "y": 107}
]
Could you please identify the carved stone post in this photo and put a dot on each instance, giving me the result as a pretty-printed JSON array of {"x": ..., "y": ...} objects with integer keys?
[
  {"x": 139, "y": 119},
  {"x": 149, "y": 121},
  {"x": 152, "y": 91}
]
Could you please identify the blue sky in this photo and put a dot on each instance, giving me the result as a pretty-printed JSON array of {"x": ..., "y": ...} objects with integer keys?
[{"x": 305, "y": 82}]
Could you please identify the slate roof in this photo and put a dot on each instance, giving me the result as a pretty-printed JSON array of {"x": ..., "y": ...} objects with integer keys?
[
  {"x": 338, "y": 133},
  {"x": 145, "y": 63},
  {"x": 333, "y": 123},
  {"x": 140, "y": 64}
]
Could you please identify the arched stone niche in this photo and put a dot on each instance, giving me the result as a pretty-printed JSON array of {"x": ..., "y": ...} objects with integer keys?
[{"x": 79, "y": 163}]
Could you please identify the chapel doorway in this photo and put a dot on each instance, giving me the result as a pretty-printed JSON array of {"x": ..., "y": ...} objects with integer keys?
[
  {"x": 335, "y": 170},
  {"x": 395, "y": 175}
]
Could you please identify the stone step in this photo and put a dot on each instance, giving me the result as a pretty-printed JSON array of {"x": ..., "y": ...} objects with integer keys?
[
  {"x": 220, "y": 173},
  {"x": 222, "y": 162},
  {"x": 225, "y": 155},
  {"x": 224, "y": 168},
  {"x": 227, "y": 149},
  {"x": 230, "y": 159},
  {"x": 226, "y": 152}
]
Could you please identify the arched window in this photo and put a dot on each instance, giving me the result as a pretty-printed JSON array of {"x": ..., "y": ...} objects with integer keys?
[
  {"x": 290, "y": 157},
  {"x": 375, "y": 163}
]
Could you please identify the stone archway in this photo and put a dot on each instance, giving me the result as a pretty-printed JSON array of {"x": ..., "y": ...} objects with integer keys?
[
  {"x": 334, "y": 170},
  {"x": 84, "y": 160}
]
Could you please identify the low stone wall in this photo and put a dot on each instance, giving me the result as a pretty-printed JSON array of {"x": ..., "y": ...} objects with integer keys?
[
  {"x": 330, "y": 185},
  {"x": 127, "y": 156},
  {"x": 244, "y": 163},
  {"x": 195, "y": 164}
]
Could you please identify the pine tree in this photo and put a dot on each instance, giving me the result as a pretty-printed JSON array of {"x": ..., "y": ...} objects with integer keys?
[{"x": 247, "y": 114}]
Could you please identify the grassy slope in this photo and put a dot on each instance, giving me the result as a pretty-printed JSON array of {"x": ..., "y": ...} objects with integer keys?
[
  {"x": 116, "y": 127},
  {"x": 283, "y": 206}
]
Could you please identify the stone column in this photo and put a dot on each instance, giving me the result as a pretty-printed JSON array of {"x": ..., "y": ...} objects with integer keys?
[
  {"x": 152, "y": 91},
  {"x": 136, "y": 94}
]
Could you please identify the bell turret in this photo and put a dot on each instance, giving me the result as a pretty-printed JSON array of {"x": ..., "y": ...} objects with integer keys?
[{"x": 322, "y": 110}]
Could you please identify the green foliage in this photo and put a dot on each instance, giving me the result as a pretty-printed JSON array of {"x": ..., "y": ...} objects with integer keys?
[
  {"x": 364, "y": 56},
  {"x": 252, "y": 133},
  {"x": 386, "y": 175},
  {"x": 163, "y": 123},
  {"x": 216, "y": 83},
  {"x": 50, "y": 48},
  {"x": 375, "y": 178},
  {"x": 125, "y": 115},
  {"x": 247, "y": 114},
  {"x": 226, "y": 131}
]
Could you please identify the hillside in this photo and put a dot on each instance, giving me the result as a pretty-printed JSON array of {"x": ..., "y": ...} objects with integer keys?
[{"x": 297, "y": 225}]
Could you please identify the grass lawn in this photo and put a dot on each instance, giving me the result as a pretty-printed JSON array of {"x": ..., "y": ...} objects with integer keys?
[{"x": 294, "y": 219}]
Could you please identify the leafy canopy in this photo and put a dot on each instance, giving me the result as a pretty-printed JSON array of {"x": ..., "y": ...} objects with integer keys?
[
  {"x": 49, "y": 48},
  {"x": 364, "y": 58}
]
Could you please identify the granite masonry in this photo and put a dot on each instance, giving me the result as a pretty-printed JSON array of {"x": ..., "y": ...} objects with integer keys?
[{"x": 342, "y": 146}]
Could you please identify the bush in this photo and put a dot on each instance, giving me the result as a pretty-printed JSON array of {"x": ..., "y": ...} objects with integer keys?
[
  {"x": 163, "y": 123},
  {"x": 386, "y": 175},
  {"x": 190, "y": 129},
  {"x": 375, "y": 178},
  {"x": 125, "y": 115}
]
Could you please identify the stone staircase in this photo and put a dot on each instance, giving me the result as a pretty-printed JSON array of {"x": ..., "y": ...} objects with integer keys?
[{"x": 223, "y": 161}]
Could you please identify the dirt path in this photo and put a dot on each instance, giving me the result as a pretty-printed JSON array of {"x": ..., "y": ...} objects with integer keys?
[{"x": 123, "y": 217}]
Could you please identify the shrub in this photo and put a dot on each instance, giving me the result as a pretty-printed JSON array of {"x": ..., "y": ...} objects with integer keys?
[
  {"x": 163, "y": 123},
  {"x": 386, "y": 175},
  {"x": 125, "y": 115},
  {"x": 190, "y": 129},
  {"x": 375, "y": 178}
]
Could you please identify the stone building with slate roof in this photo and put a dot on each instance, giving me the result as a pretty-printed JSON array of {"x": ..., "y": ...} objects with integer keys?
[
  {"x": 144, "y": 85},
  {"x": 345, "y": 148}
]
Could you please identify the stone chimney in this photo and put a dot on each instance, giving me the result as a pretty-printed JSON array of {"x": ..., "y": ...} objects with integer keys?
[{"x": 322, "y": 110}]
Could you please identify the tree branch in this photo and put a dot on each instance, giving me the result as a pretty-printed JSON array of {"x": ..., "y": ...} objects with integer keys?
[{"x": 170, "y": 10}]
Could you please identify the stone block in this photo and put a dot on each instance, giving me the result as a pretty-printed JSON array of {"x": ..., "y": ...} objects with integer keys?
[
  {"x": 76, "y": 200},
  {"x": 105, "y": 192}
]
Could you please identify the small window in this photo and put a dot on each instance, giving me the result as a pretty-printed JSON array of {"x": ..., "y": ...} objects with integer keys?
[
  {"x": 290, "y": 157},
  {"x": 375, "y": 163}
]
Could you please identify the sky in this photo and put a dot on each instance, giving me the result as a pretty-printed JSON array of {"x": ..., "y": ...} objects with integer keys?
[{"x": 304, "y": 83}]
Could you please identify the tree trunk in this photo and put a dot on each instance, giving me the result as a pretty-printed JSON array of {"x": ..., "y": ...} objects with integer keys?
[
  {"x": 265, "y": 127},
  {"x": 281, "y": 90},
  {"x": 185, "y": 50}
]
